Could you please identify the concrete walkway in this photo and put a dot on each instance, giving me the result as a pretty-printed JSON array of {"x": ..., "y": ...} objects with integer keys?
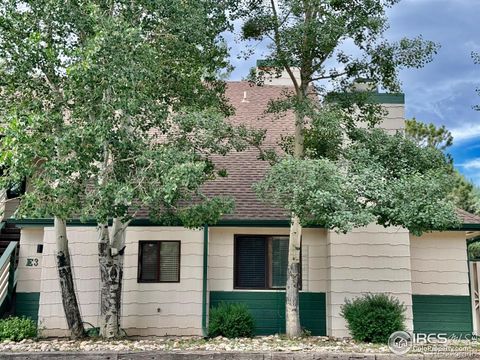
[{"x": 224, "y": 356}]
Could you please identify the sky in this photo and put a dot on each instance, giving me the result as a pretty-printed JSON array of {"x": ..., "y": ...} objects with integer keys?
[{"x": 443, "y": 92}]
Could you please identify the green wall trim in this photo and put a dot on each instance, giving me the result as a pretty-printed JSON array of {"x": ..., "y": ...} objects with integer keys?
[
  {"x": 77, "y": 222},
  {"x": 442, "y": 314},
  {"x": 148, "y": 222},
  {"x": 262, "y": 223},
  {"x": 268, "y": 309},
  {"x": 220, "y": 223},
  {"x": 369, "y": 96},
  {"x": 470, "y": 227},
  {"x": 387, "y": 98},
  {"x": 26, "y": 304}
]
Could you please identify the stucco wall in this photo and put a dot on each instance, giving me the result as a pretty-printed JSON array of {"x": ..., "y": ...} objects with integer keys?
[
  {"x": 440, "y": 284},
  {"x": 439, "y": 264},
  {"x": 180, "y": 303},
  {"x": 148, "y": 309},
  {"x": 395, "y": 119},
  {"x": 372, "y": 259},
  {"x": 29, "y": 261},
  {"x": 220, "y": 256}
]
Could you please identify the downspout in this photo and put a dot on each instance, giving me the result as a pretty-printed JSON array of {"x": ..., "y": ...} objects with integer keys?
[{"x": 204, "y": 285}]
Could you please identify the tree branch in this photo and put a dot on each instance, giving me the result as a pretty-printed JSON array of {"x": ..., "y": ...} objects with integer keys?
[
  {"x": 276, "y": 31},
  {"x": 333, "y": 76}
]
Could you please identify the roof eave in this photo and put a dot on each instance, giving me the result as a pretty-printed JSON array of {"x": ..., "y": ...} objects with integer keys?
[
  {"x": 220, "y": 223},
  {"x": 470, "y": 227}
]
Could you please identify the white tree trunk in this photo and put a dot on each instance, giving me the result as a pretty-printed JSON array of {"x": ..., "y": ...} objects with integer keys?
[
  {"x": 292, "y": 297},
  {"x": 69, "y": 298},
  {"x": 292, "y": 309},
  {"x": 110, "y": 255}
]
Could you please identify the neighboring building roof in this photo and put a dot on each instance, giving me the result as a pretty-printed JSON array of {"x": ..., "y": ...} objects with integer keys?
[{"x": 468, "y": 218}]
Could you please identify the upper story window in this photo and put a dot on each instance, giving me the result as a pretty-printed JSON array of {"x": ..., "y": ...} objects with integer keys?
[
  {"x": 260, "y": 262},
  {"x": 159, "y": 261}
]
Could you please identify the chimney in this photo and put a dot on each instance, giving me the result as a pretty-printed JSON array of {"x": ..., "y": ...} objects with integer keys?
[
  {"x": 393, "y": 103},
  {"x": 364, "y": 85},
  {"x": 273, "y": 79}
]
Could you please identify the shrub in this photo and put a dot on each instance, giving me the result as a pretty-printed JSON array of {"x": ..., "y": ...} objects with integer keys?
[
  {"x": 231, "y": 321},
  {"x": 17, "y": 328},
  {"x": 474, "y": 250},
  {"x": 373, "y": 318}
]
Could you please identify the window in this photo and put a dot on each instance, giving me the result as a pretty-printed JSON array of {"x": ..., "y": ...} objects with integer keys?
[
  {"x": 260, "y": 262},
  {"x": 159, "y": 261}
]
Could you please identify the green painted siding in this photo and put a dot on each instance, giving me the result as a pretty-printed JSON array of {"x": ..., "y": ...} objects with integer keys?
[
  {"x": 387, "y": 98},
  {"x": 268, "y": 308},
  {"x": 442, "y": 314},
  {"x": 26, "y": 304},
  {"x": 376, "y": 97}
]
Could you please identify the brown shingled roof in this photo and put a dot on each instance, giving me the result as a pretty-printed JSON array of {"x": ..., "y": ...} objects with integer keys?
[
  {"x": 244, "y": 168},
  {"x": 468, "y": 218}
]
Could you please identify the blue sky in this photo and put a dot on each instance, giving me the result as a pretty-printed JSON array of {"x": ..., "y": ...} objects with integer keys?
[{"x": 443, "y": 92}]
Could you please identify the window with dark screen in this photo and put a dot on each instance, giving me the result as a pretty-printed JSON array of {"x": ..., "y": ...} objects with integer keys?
[
  {"x": 159, "y": 261},
  {"x": 260, "y": 262}
]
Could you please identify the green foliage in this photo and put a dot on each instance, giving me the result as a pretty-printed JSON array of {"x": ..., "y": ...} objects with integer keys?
[
  {"x": 109, "y": 108},
  {"x": 309, "y": 34},
  {"x": 464, "y": 194},
  {"x": 93, "y": 332},
  {"x": 401, "y": 183},
  {"x": 335, "y": 174},
  {"x": 231, "y": 321},
  {"x": 428, "y": 134},
  {"x": 377, "y": 178},
  {"x": 114, "y": 106},
  {"x": 17, "y": 328},
  {"x": 324, "y": 137},
  {"x": 374, "y": 317},
  {"x": 474, "y": 250},
  {"x": 315, "y": 190}
]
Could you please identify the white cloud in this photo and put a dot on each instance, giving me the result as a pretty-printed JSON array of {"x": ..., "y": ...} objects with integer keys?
[
  {"x": 466, "y": 132},
  {"x": 472, "y": 45},
  {"x": 473, "y": 147},
  {"x": 442, "y": 90},
  {"x": 471, "y": 164}
]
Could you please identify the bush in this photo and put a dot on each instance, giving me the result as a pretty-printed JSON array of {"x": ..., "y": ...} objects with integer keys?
[
  {"x": 474, "y": 250},
  {"x": 231, "y": 321},
  {"x": 373, "y": 318},
  {"x": 17, "y": 328}
]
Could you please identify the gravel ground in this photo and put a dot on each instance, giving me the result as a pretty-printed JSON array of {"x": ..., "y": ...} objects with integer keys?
[{"x": 258, "y": 344}]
